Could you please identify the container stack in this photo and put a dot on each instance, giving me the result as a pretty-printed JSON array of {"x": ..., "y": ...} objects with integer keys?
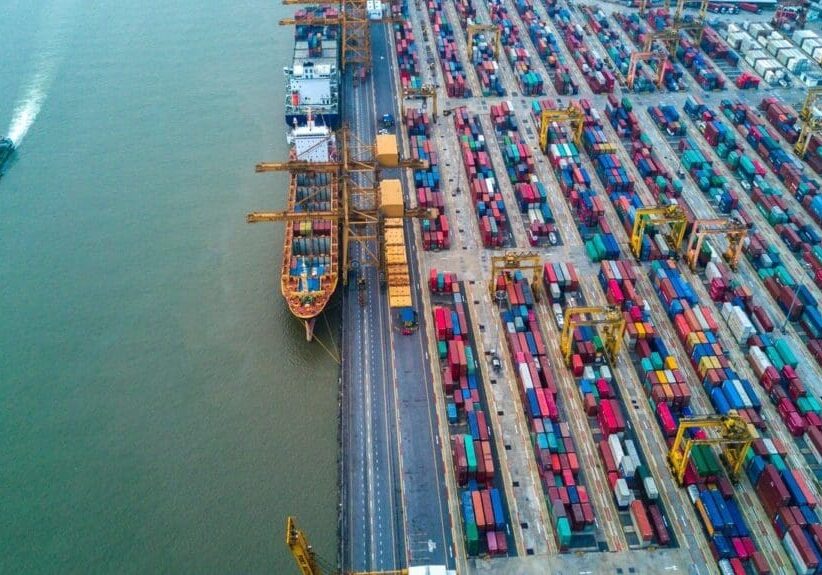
[
  {"x": 619, "y": 53},
  {"x": 716, "y": 48},
  {"x": 785, "y": 120},
  {"x": 575, "y": 183},
  {"x": 545, "y": 42},
  {"x": 557, "y": 460},
  {"x": 531, "y": 193},
  {"x": 754, "y": 52},
  {"x": 482, "y": 182},
  {"x": 633, "y": 26},
  {"x": 482, "y": 504},
  {"x": 701, "y": 69},
  {"x": 407, "y": 55},
  {"x": 599, "y": 78},
  {"x": 659, "y": 19},
  {"x": 435, "y": 231},
  {"x": 396, "y": 265},
  {"x": 663, "y": 186},
  {"x": 529, "y": 80},
  {"x": 810, "y": 43},
  {"x": 449, "y": 56}
]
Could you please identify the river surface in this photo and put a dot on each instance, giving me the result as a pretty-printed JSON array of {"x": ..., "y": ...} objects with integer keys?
[{"x": 159, "y": 408}]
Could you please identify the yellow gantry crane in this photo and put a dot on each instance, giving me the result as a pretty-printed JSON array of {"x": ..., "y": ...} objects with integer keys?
[
  {"x": 363, "y": 206},
  {"x": 571, "y": 114},
  {"x": 427, "y": 91},
  {"x": 811, "y": 122},
  {"x": 637, "y": 57},
  {"x": 308, "y": 561},
  {"x": 734, "y": 230},
  {"x": 659, "y": 216},
  {"x": 528, "y": 261},
  {"x": 730, "y": 432},
  {"x": 474, "y": 29},
  {"x": 354, "y": 25},
  {"x": 608, "y": 319}
]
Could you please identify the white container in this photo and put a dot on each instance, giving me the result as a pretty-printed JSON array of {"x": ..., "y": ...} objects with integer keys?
[
  {"x": 605, "y": 373},
  {"x": 616, "y": 449},
  {"x": 650, "y": 488},
  {"x": 712, "y": 271},
  {"x": 759, "y": 361},
  {"x": 628, "y": 467},
  {"x": 525, "y": 376},
  {"x": 622, "y": 493}
]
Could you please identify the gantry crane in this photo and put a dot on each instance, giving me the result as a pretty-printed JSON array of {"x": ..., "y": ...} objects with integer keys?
[
  {"x": 734, "y": 438},
  {"x": 669, "y": 38},
  {"x": 528, "y": 261},
  {"x": 571, "y": 114},
  {"x": 637, "y": 57},
  {"x": 426, "y": 91},
  {"x": 697, "y": 24},
  {"x": 734, "y": 230},
  {"x": 474, "y": 29},
  {"x": 659, "y": 215},
  {"x": 354, "y": 26},
  {"x": 811, "y": 122},
  {"x": 608, "y": 318},
  {"x": 307, "y": 559},
  {"x": 361, "y": 211}
]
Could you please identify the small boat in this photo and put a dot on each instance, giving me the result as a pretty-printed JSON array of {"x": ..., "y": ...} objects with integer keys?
[{"x": 6, "y": 152}]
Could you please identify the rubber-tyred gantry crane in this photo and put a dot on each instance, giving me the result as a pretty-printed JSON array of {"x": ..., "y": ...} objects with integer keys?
[
  {"x": 309, "y": 562},
  {"x": 811, "y": 123},
  {"x": 637, "y": 57},
  {"x": 360, "y": 214},
  {"x": 730, "y": 432},
  {"x": 571, "y": 114},
  {"x": 474, "y": 29},
  {"x": 608, "y": 319},
  {"x": 734, "y": 230},
  {"x": 427, "y": 91},
  {"x": 528, "y": 261},
  {"x": 660, "y": 215}
]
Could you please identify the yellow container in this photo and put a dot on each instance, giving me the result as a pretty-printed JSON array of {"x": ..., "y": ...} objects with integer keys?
[
  {"x": 640, "y": 330},
  {"x": 387, "y": 153},
  {"x": 393, "y": 223},
  {"x": 663, "y": 379},
  {"x": 670, "y": 362},
  {"x": 395, "y": 237}
]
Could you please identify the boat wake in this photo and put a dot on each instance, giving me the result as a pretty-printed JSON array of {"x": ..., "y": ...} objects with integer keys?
[
  {"x": 57, "y": 20},
  {"x": 34, "y": 95}
]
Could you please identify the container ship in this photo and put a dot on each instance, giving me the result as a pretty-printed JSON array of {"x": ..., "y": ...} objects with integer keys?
[
  {"x": 6, "y": 152},
  {"x": 313, "y": 80},
  {"x": 310, "y": 254}
]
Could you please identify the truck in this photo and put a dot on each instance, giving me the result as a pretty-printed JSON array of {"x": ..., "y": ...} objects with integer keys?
[{"x": 388, "y": 120}]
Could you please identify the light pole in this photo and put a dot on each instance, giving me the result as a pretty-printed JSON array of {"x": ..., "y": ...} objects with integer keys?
[{"x": 790, "y": 309}]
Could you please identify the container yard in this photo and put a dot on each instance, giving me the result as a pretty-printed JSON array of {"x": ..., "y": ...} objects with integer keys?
[{"x": 621, "y": 368}]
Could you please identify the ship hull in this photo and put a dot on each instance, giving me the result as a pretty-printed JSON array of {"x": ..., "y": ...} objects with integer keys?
[
  {"x": 310, "y": 252},
  {"x": 330, "y": 120}
]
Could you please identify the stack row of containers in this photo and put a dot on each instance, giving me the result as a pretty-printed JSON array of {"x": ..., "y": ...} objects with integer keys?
[
  {"x": 481, "y": 52},
  {"x": 530, "y": 81},
  {"x": 477, "y": 470},
  {"x": 669, "y": 394},
  {"x": 709, "y": 490},
  {"x": 765, "y": 141},
  {"x": 530, "y": 192},
  {"x": 482, "y": 182},
  {"x": 637, "y": 30},
  {"x": 793, "y": 299},
  {"x": 784, "y": 120},
  {"x": 448, "y": 51},
  {"x": 633, "y": 487},
  {"x": 435, "y": 231},
  {"x": 707, "y": 178},
  {"x": 596, "y": 73},
  {"x": 783, "y": 491},
  {"x": 664, "y": 187},
  {"x": 545, "y": 43},
  {"x": 688, "y": 53},
  {"x": 407, "y": 55},
  {"x": 618, "y": 185},
  {"x": 619, "y": 53},
  {"x": 554, "y": 448},
  {"x": 773, "y": 360},
  {"x": 575, "y": 183},
  {"x": 797, "y": 234}
]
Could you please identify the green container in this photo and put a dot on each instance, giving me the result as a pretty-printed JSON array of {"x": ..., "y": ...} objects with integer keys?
[
  {"x": 704, "y": 460},
  {"x": 722, "y": 150},
  {"x": 563, "y": 532},
  {"x": 778, "y": 462},
  {"x": 599, "y": 245},
  {"x": 469, "y": 359},
  {"x": 733, "y": 159},
  {"x": 643, "y": 472},
  {"x": 470, "y": 454},
  {"x": 646, "y": 365},
  {"x": 553, "y": 445},
  {"x": 786, "y": 353},
  {"x": 591, "y": 251},
  {"x": 626, "y": 103},
  {"x": 776, "y": 360},
  {"x": 598, "y": 345},
  {"x": 472, "y": 538},
  {"x": 442, "y": 349},
  {"x": 784, "y": 277}
]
